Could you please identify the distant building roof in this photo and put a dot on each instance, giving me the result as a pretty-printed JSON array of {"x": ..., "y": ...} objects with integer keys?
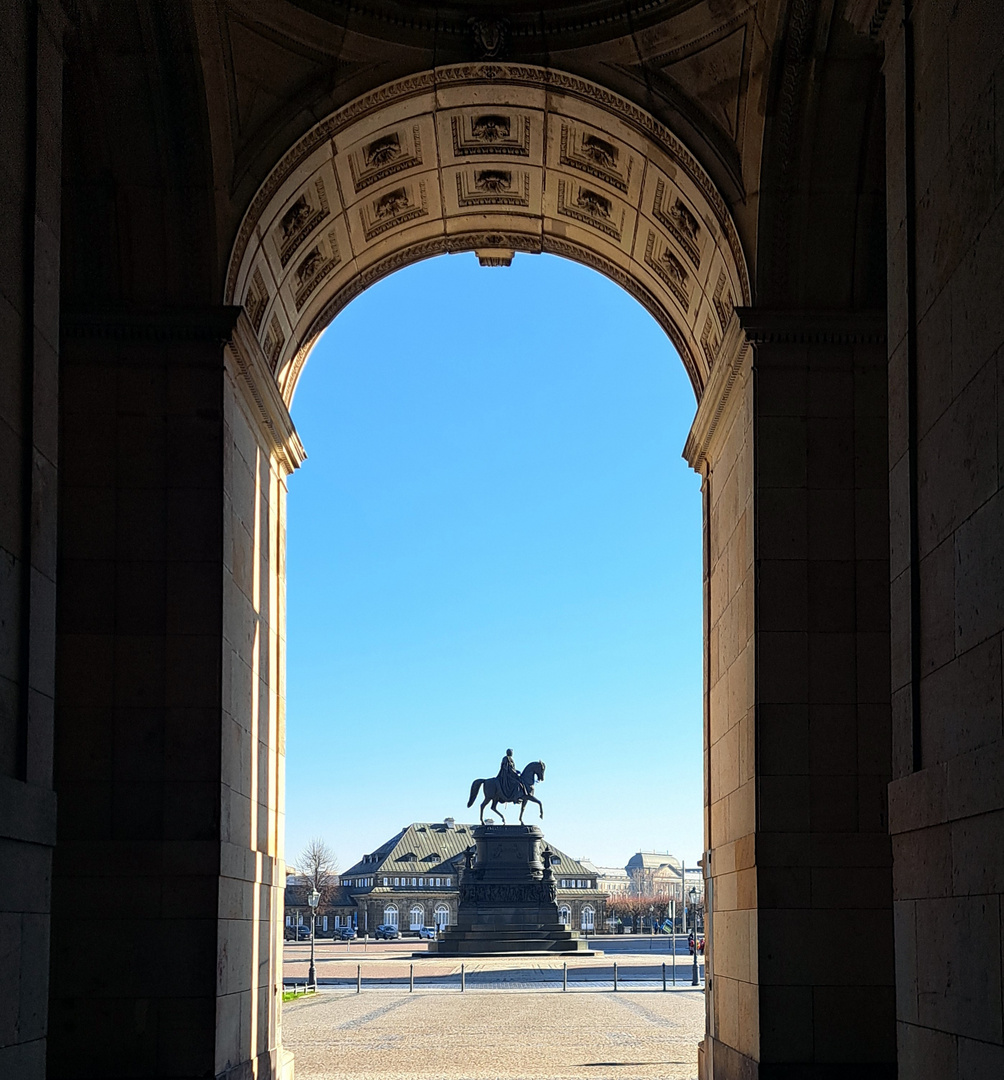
[
  {"x": 652, "y": 860},
  {"x": 425, "y": 848},
  {"x": 605, "y": 871}
]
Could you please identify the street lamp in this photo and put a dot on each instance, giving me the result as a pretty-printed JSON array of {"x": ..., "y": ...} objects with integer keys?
[
  {"x": 314, "y": 899},
  {"x": 693, "y": 907}
]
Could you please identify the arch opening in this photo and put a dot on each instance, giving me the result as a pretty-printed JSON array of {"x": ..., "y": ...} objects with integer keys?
[{"x": 494, "y": 159}]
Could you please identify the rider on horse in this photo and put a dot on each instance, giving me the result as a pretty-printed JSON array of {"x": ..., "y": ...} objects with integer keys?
[{"x": 510, "y": 784}]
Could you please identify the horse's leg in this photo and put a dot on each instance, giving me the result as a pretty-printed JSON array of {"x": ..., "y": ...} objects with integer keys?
[
  {"x": 483, "y": 805},
  {"x": 533, "y": 798},
  {"x": 522, "y": 807},
  {"x": 495, "y": 807}
]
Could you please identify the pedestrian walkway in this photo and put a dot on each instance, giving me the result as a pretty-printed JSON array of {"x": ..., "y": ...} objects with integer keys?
[{"x": 528, "y": 1035}]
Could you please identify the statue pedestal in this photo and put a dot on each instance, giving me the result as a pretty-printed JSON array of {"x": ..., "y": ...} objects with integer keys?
[{"x": 508, "y": 902}]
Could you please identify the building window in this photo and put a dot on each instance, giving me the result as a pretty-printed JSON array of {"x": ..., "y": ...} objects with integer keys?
[
  {"x": 439, "y": 881},
  {"x": 588, "y": 916},
  {"x": 390, "y": 915},
  {"x": 414, "y": 882},
  {"x": 565, "y": 915},
  {"x": 397, "y": 881},
  {"x": 442, "y": 916},
  {"x": 324, "y": 923},
  {"x": 421, "y": 882},
  {"x": 417, "y": 916},
  {"x": 448, "y": 882},
  {"x": 289, "y": 920},
  {"x": 386, "y": 881}
]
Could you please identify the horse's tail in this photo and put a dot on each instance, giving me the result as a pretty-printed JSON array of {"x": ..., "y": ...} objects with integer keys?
[{"x": 474, "y": 791}]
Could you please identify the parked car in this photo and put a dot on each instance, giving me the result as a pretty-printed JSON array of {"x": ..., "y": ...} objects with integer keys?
[
  {"x": 427, "y": 932},
  {"x": 297, "y": 933},
  {"x": 386, "y": 931},
  {"x": 345, "y": 933}
]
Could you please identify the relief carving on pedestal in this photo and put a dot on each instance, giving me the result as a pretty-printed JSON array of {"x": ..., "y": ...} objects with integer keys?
[{"x": 534, "y": 892}]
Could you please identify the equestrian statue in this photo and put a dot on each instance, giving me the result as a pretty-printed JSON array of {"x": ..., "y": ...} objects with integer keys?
[{"x": 510, "y": 786}]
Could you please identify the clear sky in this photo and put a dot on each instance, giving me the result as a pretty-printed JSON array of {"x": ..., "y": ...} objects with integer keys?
[{"x": 495, "y": 542}]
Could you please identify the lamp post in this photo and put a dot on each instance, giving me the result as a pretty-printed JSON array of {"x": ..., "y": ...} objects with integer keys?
[
  {"x": 693, "y": 907},
  {"x": 314, "y": 899}
]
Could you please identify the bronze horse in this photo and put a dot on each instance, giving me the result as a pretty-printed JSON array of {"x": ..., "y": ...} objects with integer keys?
[{"x": 528, "y": 777}]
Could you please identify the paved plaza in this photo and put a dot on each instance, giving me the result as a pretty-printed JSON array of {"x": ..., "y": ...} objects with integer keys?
[{"x": 513, "y": 1021}]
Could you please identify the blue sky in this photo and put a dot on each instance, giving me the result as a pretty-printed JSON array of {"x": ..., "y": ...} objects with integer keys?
[{"x": 494, "y": 542}]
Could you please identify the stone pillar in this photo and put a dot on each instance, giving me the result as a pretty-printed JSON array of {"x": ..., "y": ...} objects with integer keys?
[
  {"x": 31, "y": 65},
  {"x": 167, "y": 882},
  {"x": 944, "y": 82},
  {"x": 801, "y": 968}
]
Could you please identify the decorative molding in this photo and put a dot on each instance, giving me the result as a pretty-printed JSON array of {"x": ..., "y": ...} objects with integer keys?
[
  {"x": 680, "y": 220},
  {"x": 867, "y": 16},
  {"x": 589, "y": 207},
  {"x": 594, "y": 156},
  {"x": 496, "y": 186},
  {"x": 733, "y": 355},
  {"x": 490, "y": 131},
  {"x": 517, "y": 75},
  {"x": 668, "y": 267},
  {"x": 774, "y": 327},
  {"x": 257, "y": 384}
]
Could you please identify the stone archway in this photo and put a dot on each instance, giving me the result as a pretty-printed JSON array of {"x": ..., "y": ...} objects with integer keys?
[{"x": 494, "y": 159}]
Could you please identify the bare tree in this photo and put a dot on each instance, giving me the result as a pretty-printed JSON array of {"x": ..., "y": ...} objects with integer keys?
[{"x": 318, "y": 867}]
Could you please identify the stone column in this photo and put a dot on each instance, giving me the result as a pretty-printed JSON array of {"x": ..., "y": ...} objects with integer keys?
[
  {"x": 790, "y": 437},
  {"x": 168, "y": 875},
  {"x": 31, "y": 65}
]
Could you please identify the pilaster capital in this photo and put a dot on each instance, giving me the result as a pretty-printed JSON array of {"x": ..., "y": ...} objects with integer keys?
[
  {"x": 769, "y": 326},
  {"x": 713, "y": 407},
  {"x": 251, "y": 374}
]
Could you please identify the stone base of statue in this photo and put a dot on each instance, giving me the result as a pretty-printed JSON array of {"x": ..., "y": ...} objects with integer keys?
[{"x": 508, "y": 901}]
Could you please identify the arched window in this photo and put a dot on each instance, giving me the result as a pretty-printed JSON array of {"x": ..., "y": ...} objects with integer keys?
[
  {"x": 565, "y": 915},
  {"x": 588, "y": 916},
  {"x": 442, "y": 916},
  {"x": 390, "y": 915},
  {"x": 417, "y": 916}
]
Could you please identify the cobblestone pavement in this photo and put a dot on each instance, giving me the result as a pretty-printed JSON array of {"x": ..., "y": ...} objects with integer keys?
[{"x": 509, "y": 1035}]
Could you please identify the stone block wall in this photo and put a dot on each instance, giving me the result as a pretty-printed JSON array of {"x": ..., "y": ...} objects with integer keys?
[
  {"x": 138, "y": 741},
  {"x": 30, "y": 166},
  {"x": 945, "y": 135},
  {"x": 823, "y": 860}
]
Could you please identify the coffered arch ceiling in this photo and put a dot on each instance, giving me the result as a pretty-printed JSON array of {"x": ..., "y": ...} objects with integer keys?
[{"x": 492, "y": 158}]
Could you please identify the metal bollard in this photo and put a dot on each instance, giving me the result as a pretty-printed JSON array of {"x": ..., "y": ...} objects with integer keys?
[
  {"x": 674, "y": 959},
  {"x": 564, "y": 976},
  {"x": 411, "y": 978},
  {"x": 462, "y": 980},
  {"x": 359, "y": 978},
  {"x": 615, "y": 975},
  {"x": 664, "y": 976}
]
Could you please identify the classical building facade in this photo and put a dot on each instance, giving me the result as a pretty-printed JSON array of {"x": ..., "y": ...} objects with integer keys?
[
  {"x": 413, "y": 881},
  {"x": 806, "y": 196}
]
